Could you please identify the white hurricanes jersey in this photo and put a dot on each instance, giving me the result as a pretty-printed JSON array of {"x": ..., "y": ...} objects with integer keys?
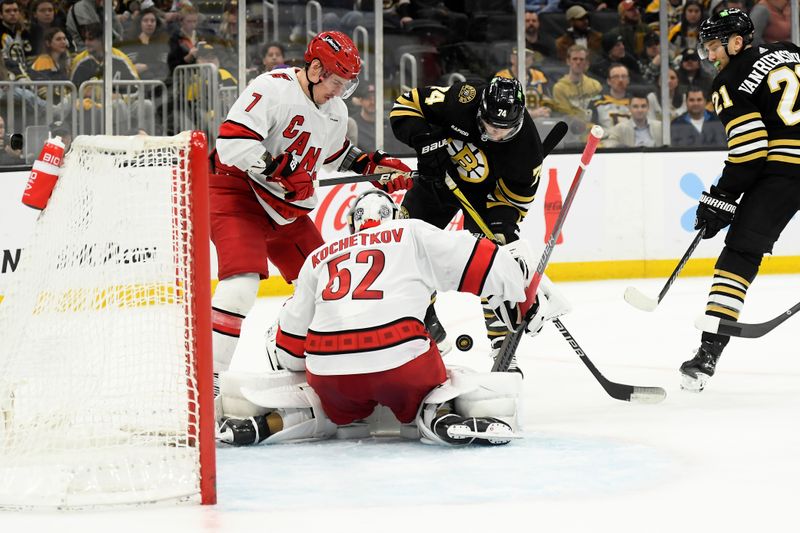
[
  {"x": 359, "y": 302},
  {"x": 274, "y": 113}
]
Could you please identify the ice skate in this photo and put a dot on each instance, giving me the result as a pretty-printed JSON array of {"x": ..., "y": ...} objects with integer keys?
[
  {"x": 696, "y": 372},
  {"x": 461, "y": 430}
]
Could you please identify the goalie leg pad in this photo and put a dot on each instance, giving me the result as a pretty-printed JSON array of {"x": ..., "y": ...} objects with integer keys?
[
  {"x": 233, "y": 401},
  {"x": 300, "y": 410}
]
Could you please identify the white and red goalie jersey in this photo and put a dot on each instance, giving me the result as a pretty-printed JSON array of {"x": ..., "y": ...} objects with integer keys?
[
  {"x": 359, "y": 302},
  {"x": 273, "y": 114}
]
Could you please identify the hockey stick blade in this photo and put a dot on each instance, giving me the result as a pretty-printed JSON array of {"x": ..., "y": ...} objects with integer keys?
[
  {"x": 639, "y": 300},
  {"x": 732, "y": 328},
  {"x": 618, "y": 391}
]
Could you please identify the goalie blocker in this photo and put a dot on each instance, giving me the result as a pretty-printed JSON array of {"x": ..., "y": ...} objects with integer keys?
[{"x": 280, "y": 407}]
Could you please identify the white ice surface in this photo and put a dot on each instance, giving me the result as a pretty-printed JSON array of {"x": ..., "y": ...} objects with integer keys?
[{"x": 727, "y": 459}]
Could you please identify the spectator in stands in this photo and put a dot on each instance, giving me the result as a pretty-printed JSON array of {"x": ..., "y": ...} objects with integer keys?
[
  {"x": 772, "y": 20},
  {"x": 573, "y": 93},
  {"x": 698, "y": 126},
  {"x": 361, "y": 124},
  {"x": 677, "y": 98},
  {"x": 690, "y": 73},
  {"x": 15, "y": 41},
  {"x": 273, "y": 56},
  {"x": 614, "y": 52},
  {"x": 440, "y": 12},
  {"x": 396, "y": 13},
  {"x": 685, "y": 33},
  {"x": 42, "y": 16},
  {"x": 650, "y": 61},
  {"x": 207, "y": 55},
  {"x": 579, "y": 32},
  {"x": 631, "y": 27},
  {"x": 674, "y": 10},
  {"x": 537, "y": 92},
  {"x": 612, "y": 107},
  {"x": 149, "y": 49},
  {"x": 88, "y": 65},
  {"x": 53, "y": 65},
  {"x": 639, "y": 131},
  {"x": 532, "y": 41},
  {"x": 184, "y": 40},
  {"x": 84, "y": 13}
]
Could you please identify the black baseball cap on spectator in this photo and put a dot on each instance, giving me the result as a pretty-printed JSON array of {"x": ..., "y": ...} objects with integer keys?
[
  {"x": 610, "y": 40},
  {"x": 205, "y": 50},
  {"x": 651, "y": 38},
  {"x": 690, "y": 54}
]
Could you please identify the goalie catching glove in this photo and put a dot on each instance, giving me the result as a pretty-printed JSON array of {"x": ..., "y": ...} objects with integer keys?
[
  {"x": 296, "y": 180},
  {"x": 378, "y": 162}
]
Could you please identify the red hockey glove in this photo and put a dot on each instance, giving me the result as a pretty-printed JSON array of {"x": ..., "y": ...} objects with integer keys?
[
  {"x": 379, "y": 162},
  {"x": 297, "y": 181}
]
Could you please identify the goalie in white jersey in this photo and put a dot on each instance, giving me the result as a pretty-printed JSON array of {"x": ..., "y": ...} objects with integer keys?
[
  {"x": 355, "y": 325},
  {"x": 282, "y": 129}
]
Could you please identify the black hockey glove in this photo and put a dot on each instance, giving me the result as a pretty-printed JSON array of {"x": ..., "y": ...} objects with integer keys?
[
  {"x": 504, "y": 232},
  {"x": 715, "y": 211},
  {"x": 433, "y": 160}
]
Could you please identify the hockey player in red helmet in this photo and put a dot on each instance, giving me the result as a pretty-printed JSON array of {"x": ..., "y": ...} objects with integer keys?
[
  {"x": 286, "y": 125},
  {"x": 340, "y": 62}
]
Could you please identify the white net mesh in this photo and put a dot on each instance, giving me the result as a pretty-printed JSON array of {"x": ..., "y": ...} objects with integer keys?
[{"x": 97, "y": 347}]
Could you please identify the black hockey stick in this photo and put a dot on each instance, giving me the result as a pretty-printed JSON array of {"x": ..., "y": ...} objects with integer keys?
[
  {"x": 618, "y": 391},
  {"x": 358, "y": 178},
  {"x": 511, "y": 342},
  {"x": 733, "y": 328},
  {"x": 554, "y": 137},
  {"x": 639, "y": 300}
]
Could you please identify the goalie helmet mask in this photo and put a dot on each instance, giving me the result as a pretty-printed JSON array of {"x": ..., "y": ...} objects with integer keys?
[
  {"x": 502, "y": 106},
  {"x": 371, "y": 209},
  {"x": 723, "y": 26}
]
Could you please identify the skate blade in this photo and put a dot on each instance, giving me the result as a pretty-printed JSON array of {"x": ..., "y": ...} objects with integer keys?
[
  {"x": 694, "y": 384},
  {"x": 494, "y": 434}
]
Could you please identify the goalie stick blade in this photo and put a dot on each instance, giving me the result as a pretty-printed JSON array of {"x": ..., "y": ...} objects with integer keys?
[
  {"x": 639, "y": 300},
  {"x": 648, "y": 395}
]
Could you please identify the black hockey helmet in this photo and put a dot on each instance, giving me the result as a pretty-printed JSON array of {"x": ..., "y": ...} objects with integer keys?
[
  {"x": 723, "y": 25},
  {"x": 502, "y": 106}
]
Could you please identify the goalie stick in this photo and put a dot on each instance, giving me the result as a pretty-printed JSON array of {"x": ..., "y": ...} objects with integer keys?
[
  {"x": 618, "y": 391},
  {"x": 732, "y": 328},
  {"x": 511, "y": 342},
  {"x": 639, "y": 300}
]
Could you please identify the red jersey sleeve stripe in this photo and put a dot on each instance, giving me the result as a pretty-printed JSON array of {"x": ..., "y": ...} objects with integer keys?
[
  {"x": 292, "y": 344},
  {"x": 335, "y": 156},
  {"x": 233, "y": 130},
  {"x": 478, "y": 266}
]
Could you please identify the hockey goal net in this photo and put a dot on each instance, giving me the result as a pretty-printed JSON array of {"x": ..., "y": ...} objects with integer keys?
[{"x": 105, "y": 337}]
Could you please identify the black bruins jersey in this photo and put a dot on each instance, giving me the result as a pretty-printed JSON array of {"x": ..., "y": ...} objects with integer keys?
[
  {"x": 498, "y": 178},
  {"x": 757, "y": 98}
]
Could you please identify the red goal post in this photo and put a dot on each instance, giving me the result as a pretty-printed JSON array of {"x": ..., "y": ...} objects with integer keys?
[{"x": 106, "y": 393}]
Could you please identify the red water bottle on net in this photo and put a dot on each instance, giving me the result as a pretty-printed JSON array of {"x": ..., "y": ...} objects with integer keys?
[
  {"x": 44, "y": 174},
  {"x": 552, "y": 206}
]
